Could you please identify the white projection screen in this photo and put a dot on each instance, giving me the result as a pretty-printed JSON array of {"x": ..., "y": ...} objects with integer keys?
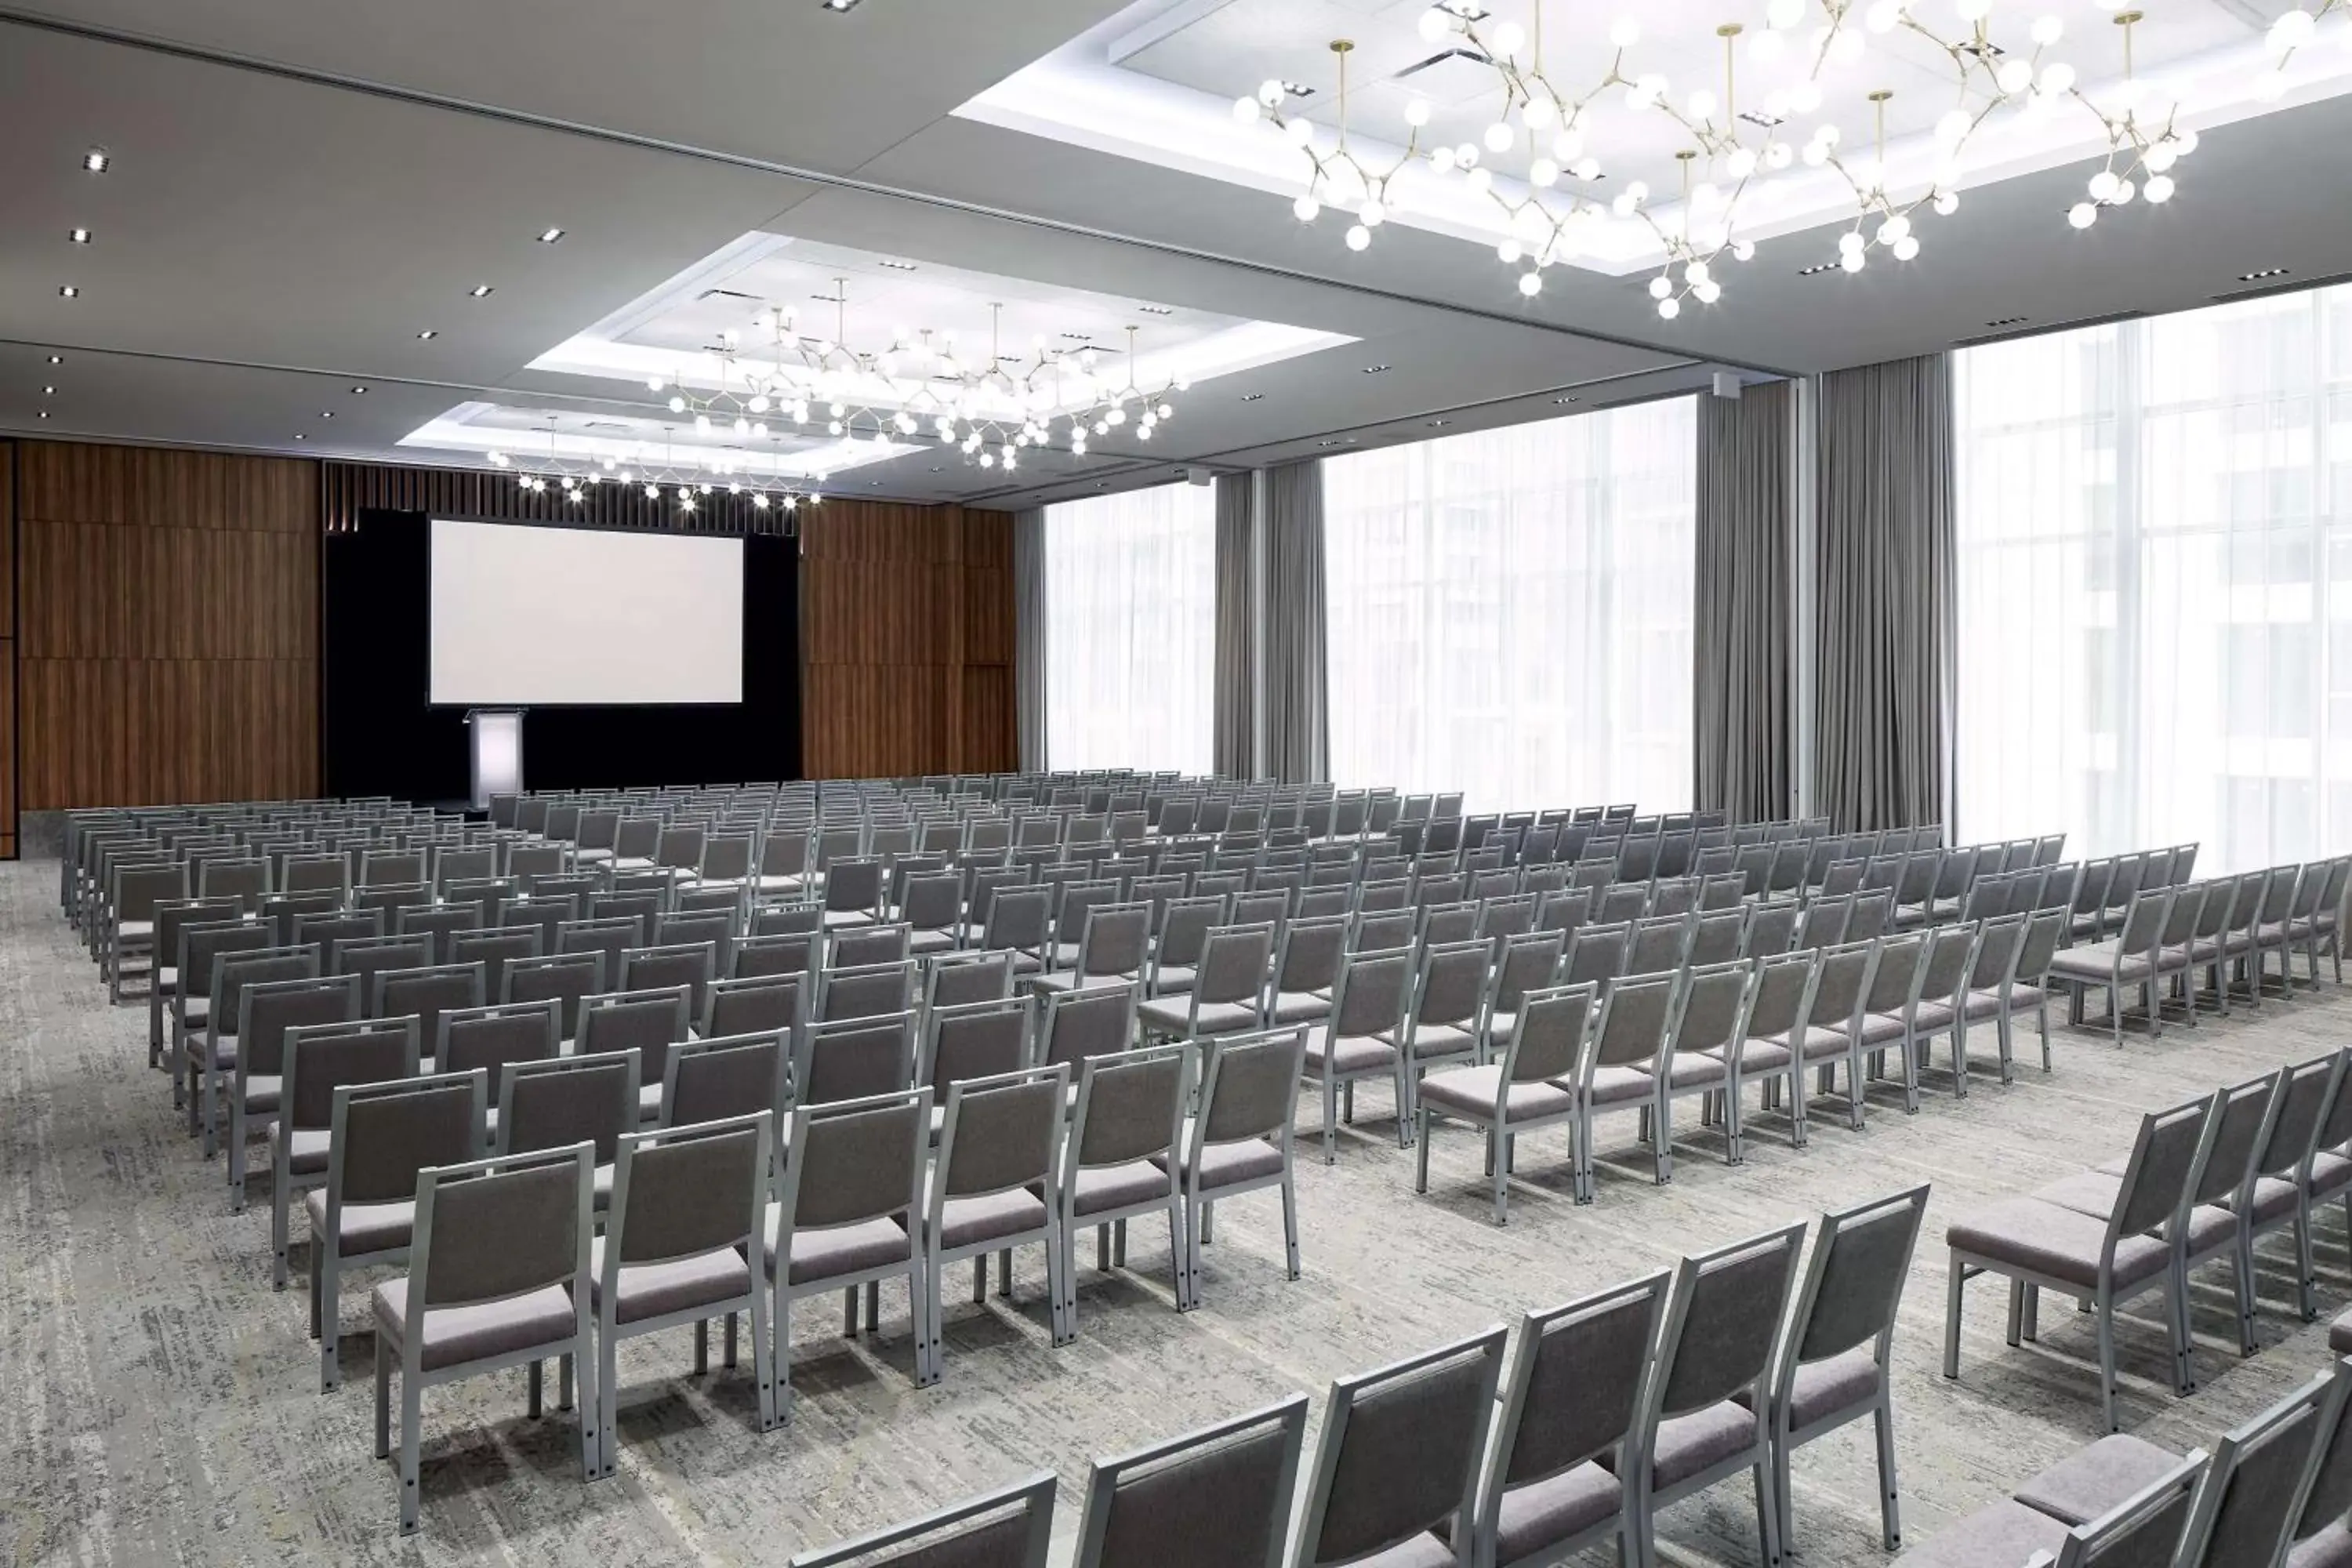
[{"x": 526, "y": 616}]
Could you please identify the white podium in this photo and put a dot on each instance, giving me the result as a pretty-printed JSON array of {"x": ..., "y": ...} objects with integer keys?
[{"x": 496, "y": 736}]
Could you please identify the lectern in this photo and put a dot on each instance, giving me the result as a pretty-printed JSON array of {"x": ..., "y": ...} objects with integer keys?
[{"x": 497, "y": 734}]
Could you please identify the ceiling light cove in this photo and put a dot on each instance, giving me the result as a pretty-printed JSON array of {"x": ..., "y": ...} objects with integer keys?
[
  {"x": 1609, "y": 149},
  {"x": 876, "y": 352}
]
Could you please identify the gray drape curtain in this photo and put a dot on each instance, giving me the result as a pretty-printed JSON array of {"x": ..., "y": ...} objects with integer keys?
[
  {"x": 1298, "y": 726},
  {"x": 1883, "y": 584},
  {"x": 1235, "y": 715},
  {"x": 1742, "y": 730},
  {"x": 1029, "y": 610}
]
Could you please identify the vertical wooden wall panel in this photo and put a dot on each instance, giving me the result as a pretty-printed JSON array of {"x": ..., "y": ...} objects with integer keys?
[
  {"x": 906, "y": 651},
  {"x": 8, "y": 624},
  {"x": 167, "y": 609}
]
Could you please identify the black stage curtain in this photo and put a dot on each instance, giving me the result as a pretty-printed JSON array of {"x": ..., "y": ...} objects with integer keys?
[{"x": 382, "y": 736}]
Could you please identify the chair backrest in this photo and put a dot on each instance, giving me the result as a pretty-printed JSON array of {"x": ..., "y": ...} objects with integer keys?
[
  {"x": 2166, "y": 1158},
  {"x": 492, "y": 1229},
  {"x": 724, "y": 1076},
  {"x": 1000, "y": 1132},
  {"x": 1721, "y": 1326},
  {"x": 384, "y": 1134},
  {"x": 1549, "y": 1033},
  {"x": 1450, "y": 987},
  {"x": 953, "y": 979},
  {"x": 1712, "y": 1012},
  {"x": 973, "y": 1039},
  {"x": 1088, "y": 1021},
  {"x": 2327, "y": 1488},
  {"x": 1309, "y": 956},
  {"x": 1249, "y": 1089},
  {"x": 1130, "y": 1107},
  {"x": 854, "y": 1159},
  {"x": 1659, "y": 945},
  {"x": 321, "y": 1057},
  {"x": 1782, "y": 994},
  {"x": 489, "y": 1036},
  {"x": 1399, "y": 1452},
  {"x": 1216, "y": 1498},
  {"x": 692, "y": 965},
  {"x": 1596, "y": 953},
  {"x": 648, "y": 1021},
  {"x": 202, "y": 946},
  {"x": 2298, "y": 1109},
  {"x": 853, "y": 1058},
  {"x": 2143, "y": 1530},
  {"x": 2229, "y": 1161},
  {"x": 558, "y": 1101},
  {"x": 233, "y": 972},
  {"x": 273, "y": 1007},
  {"x": 427, "y": 990},
  {"x": 1528, "y": 961},
  {"x": 2246, "y": 1503},
  {"x": 494, "y": 948},
  {"x": 1008, "y": 1528},
  {"x": 567, "y": 978},
  {"x": 1573, "y": 1390},
  {"x": 869, "y": 991},
  {"x": 753, "y": 1003},
  {"x": 1372, "y": 993},
  {"x": 1233, "y": 961},
  {"x": 1635, "y": 1018}
]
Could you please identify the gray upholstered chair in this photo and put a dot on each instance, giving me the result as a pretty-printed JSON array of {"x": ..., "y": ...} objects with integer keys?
[
  {"x": 1010, "y": 1526},
  {"x": 1358, "y": 1039},
  {"x": 873, "y": 990},
  {"x": 2125, "y": 961},
  {"x": 173, "y": 916},
  {"x": 564, "y": 1100},
  {"x": 1239, "y": 1139},
  {"x": 425, "y": 994},
  {"x": 847, "y": 1214},
  {"x": 213, "y": 1054},
  {"x": 721, "y": 1077},
  {"x": 1779, "y": 998},
  {"x": 991, "y": 1190},
  {"x": 2247, "y": 1504},
  {"x": 258, "y": 1091},
  {"x": 853, "y": 1058},
  {"x": 2036, "y": 1245},
  {"x": 1703, "y": 1414},
  {"x": 648, "y": 1022},
  {"x": 1306, "y": 968},
  {"x": 1614, "y": 1070},
  {"x": 1518, "y": 1094},
  {"x": 1216, "y": 1498},
  {"x": 1225, "y": 995},
  {"x": 498, "y": 1277},
  {"x": 688, "y": 1205},
  {"x": 2275, "y": 1194},
  {"x": 1832, "y": 1364},
  {"x": 1120, "y": 1162},
  {"x": 318, "y": 1059},
  {"x": 2320, "y": 1534},
  {"x": 381, "y": 1135},
  {"x": 1399, "y": 1458},
  {"x": 1113, "y": 944},
  {"x": 1551, "y": 1486},
  {"x": 2145, "y": 1528},
  {"x": 744, "y": 1005},
  {"x": 1710, "y": 1017}
]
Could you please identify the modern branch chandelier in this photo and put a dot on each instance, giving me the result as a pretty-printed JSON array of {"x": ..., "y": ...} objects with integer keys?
[
  {"x": 1733, "y": 150},
  {"x": 989, "y": 407},
  {"x": 688, "y": 477}
]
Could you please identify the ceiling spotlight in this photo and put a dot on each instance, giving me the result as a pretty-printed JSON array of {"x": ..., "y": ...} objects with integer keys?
[
  {"x": 57, "y": 359},
  {"x": 549, "y": 236},
  {"x": 79, "y": 235},
  {"x": 359, "y": 391},
  {"x": 49, "y": 391},
  {"x": 45, "y": 413},
  {"x": 326, "y": 414},
  {"x": 898, "y": 266},
  {"x": 96, "y": 161},
  {"x": 841, "y": 5},
  {"x": 2267, "y": 272},
  {"x": 300, "y": 437},
  {"x": 429, "y": 334},
  {"x": 1375, "y": 370},
  {"x": 1157, "y": 309},
  {"x": 1557, "y": 400},
  {"x": 1252, "y": 396},
  {"x": 481, "y": 291}
]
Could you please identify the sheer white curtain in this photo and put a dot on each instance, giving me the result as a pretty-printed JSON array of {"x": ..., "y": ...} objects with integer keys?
[
  {"x": 2155, "y": 544},
  {"x": 1130, "y": 629},
  {"x": 1510, "y": 611}
]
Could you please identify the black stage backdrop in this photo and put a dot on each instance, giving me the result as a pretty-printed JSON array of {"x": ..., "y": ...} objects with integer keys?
[{"x": 383, "y": 736}]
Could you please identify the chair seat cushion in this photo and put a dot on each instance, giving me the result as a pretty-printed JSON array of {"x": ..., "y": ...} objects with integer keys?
[
  {"x": 2089, "y": 1481},
  {"x": 1099, "y": 1188},
  {"x": 1226, "y": 1164},
  {"x": 128, "y": 928},
  {"x": 1983, "y": 1005},
  {"x": 1620, "y": 1086},
  {"x": 2330, "y": 1548},
  {"x": 456, "y": 1335},
  {"x": 1558, "y": 1507},
  {"x": 1470, "y": 1091},
  {"x": 657, "y": 1289},
  {"x": 2026, "y": 1232},
  {"x": 261, "y": 1092},
  {"x": 1299, "y": 1007},
  {"x": 985, "y": 1216},
  {"x": 2339, "y": 1335},
  {"x": 2005, "y": 1533},
  {"x": 2330, "y": 1174},
  {"x": 1175, "y": 1016},
  {"x": 1172, "y": 979},
  {"x": 2099, "y": 965},
  {"x": 1443, "y": 1040},
  {"x": 649, "y": 1102},
  {"x": 2092, "y": 1193},
  {"x": 306, "y": 1152},
  {"x": 1931, "y": 1016},
  {"x": 367, "y": 1227},
  {"x": 1820, "y": 1044},
  {"x": 2275, "y": 1199},
  {"x": 1350, "y": 1054},
  {"x": 1881, "y": 1029},
  {"x": 1696, "y": 1069},
  {"x": 924, "y": 941},
  {"x": 1758, "y": 1055},
  {"x": 1829, "y": 1387},
  {"x": 837, "y": 1249},
  {"x": 1686, "y": 1445}
]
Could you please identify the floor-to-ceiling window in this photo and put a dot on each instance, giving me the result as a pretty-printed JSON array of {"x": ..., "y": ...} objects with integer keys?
[
  {"x": 1510, "y": 611},
  {"x": 1130, "y": 639},
  {"x": 2155, "y": 544}
]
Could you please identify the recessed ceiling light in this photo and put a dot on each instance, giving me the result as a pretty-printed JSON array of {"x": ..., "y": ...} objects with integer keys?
[
  {"x": 1375, "y": 370},
  {"x": 1439, "y": 424},
  {"x": 361, "y": 390},
  {"x": 1157, "y": 309},
  {"x": 550, "y": 236},
  {"x": 79, "y": 235},
  {"x": 841, "y": 5},
  {"x": 49, "y": 391},
  {"x": 96, "y": 161},
  {"x": 2010, "y": 322},
  {"x": 1568, "y": 400},
  {"x": 2266, "y": 273},
  {"x": 481, "y": 291},
  {"x": 69, "y": 291},
  {"x": 1252, "y": 396},
  {"x": 300, "y": 437},
  {"x": 57, "y": 359},
  {"x": 1338, "y": 441},
  {"x": 429, "y": 334},
  {"x": 45, "y": 413},
  {"x": 326, "y": 414},
  {"x": 1819, "y": 266},
  {"x": 898, "y": 266}
]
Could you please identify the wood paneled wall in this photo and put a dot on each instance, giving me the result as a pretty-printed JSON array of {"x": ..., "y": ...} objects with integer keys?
[
  {"x": 167, "y": 626},
  {"x": 906, "y": 640},
  {"x": 7, "y": 651}
]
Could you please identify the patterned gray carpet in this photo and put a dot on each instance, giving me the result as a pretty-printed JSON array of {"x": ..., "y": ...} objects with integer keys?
[{"x": 158, "y": 1403}]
